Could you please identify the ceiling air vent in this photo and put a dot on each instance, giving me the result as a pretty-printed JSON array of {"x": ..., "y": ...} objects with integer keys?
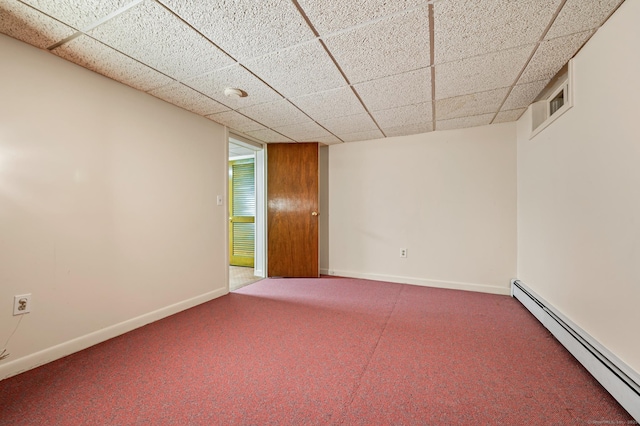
[{"x": 554, "y": 101}]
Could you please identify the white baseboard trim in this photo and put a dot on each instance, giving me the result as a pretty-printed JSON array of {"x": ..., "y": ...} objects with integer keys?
[
  {"x": 67, "y": 348},
  {"x": 620, "y": 380},
  {"x": 482, "y": 288}
]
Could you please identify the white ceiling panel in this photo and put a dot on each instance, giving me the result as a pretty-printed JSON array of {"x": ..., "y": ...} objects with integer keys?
[
  {"x": 552, "y": 55},
  {"x": 480, "y": 73},
  {"x": 187, "y": 98},
  {"x": 329, "y": 104},
  {"x": 236, "y": 76},
  {"x": 386, "y": 47},
  {"x": 268, "y": 135},
  {"x": 78, "y": 14},
  {"x": 472, "y": 104},
  {"x": 404, "y": 115},
  {"x": 275, "y": 114},
  {"x": 410, "y": 129},
  {"x": 27, "y": 24},
  {"x": 581, "y": 15},
  {"x": 303, "y": 132},
  {"x": 349, "y": 124},
  {"x": 243, "y": 28},
  {"x": 464, "y": 122},
  {"x": 151, "y": 34},
  {"x": 464, "y": 28},
  {"x": 523, "y": 95},
  {"x": 328, "y": 140},
  {"x": 507, "y": 116},
  {"x": 236, "y": 121},
  {"x": 367, "y": 75},
  {"x": 362, "y": 136},
  {"x": 329, "y": 16},
  {"x": 408, "y": 88},
  {"x": 288, "y": 70},
  {"x": 93, "y": 55}
]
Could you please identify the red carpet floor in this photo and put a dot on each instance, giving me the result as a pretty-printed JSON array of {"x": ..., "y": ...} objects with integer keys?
[{"x": 325, "y": 351}]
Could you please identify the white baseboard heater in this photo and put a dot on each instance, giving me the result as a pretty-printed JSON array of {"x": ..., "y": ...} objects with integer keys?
[{"x": 615, "y": 376}]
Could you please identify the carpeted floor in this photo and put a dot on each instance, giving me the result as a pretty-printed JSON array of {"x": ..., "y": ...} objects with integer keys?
[{"x": 321, "y": 351}]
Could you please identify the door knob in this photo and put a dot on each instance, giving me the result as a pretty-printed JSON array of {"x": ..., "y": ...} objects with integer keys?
[{"x": 314, "y": 213}]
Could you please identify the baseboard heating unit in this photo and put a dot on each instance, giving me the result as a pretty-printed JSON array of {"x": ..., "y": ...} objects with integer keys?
[{"x": 615, "y": 376}]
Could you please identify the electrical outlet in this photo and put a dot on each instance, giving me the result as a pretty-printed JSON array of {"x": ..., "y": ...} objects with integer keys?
[
  {"x": 403, "y": 252},
  {"x": 22, "y": 304}
]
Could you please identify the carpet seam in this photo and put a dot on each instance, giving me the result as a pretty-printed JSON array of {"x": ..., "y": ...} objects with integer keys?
[{"x": 373, "y": 352}]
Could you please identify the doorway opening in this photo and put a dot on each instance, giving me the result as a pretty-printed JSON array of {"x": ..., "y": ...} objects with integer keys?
[{"x": 246, "y": 213}]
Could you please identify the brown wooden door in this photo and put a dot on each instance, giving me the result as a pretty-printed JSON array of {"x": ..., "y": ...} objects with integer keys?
[{"x": 292, "y": 210}]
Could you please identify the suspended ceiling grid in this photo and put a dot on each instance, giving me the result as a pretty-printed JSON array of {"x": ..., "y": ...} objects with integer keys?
[{"x": 330, "y": 71}]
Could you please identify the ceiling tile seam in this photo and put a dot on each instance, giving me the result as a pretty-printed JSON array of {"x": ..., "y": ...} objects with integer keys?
[
  {"x": 468, "y": 116},
  {"x": 237, "y": 112},
  {"x": 433, "y": 69},
  {"x": 315, "y": 32},
  {"x": 95, "y": 24},
  {"x": 310, "y": 118},
  {"x": 305, "y": 17},
  {"x": 272, "y": 128},
  {"x": 112, "y": 15},
  {"x": 65, "y": 40},
  {"x": 528, "y": 61},
  {"x": 71, "y": 37},
  {"x": 374, "y": 21},
  {"x": 388, "y": 76},
  {"x": 139, "y": 62},
  {"x": 338, "y": 67},
  {"x": 196, "y": 30}
]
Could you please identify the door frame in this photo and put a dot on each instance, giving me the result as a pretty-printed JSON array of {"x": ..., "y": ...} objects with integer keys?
[{"x": 260, "y": 257}]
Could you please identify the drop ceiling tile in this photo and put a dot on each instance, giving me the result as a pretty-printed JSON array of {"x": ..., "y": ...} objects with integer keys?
[
  {"x": 480, "y": 73},
  {"x": 409, "y": 129},
  {"x": 328, "y": 140},
  {"x": 268, "y": 135},
  {"x": 408, "y": 88},
  {"x": 245, "y": 29},
  {"x": 507, "y": 116},
  {"x": 523, "y": 95},
  {"x": 303, "y": 132},
  {"x": 471, "y": 104},
  {"x": 213, "y": 85},
  {"x": 580, "y": 15},
  {"x": 235, "y": 121},
  {"x": 26, "y": 24},
  {"x": 298, "y": 71},
  {"x": 464, "y": 122},
  {"x": 386, "y": 47},
  {"x": 275, "y": 114},
  {"x": 404, "y": 115},
  {"x": 362, "y": 136},
  {"x": 78, "y": 14},
  {"x": 93, "y": 55},
  {"x": 329, "y": 16},
  {"x": 329, "y": 104},
  {"x": 553, "y": 55},
  {"x": 187, "y": 98},
  {"x": 154, "y": 36},
  {"x": 349, "y": 124},
  {"x": 465, "y": 28}
]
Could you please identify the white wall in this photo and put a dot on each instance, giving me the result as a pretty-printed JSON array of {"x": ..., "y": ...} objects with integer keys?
[
  {"x": 448, "y": 197},
  {"x": 579, "y": 194},
  {"x": 107, "y": 207}
]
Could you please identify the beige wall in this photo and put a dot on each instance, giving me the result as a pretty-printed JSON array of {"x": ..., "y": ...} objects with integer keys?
[
  {"x": 448, "y": 197},
  {"x": 107, "y": 206},
  {"x": 579, "y": 194}
]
